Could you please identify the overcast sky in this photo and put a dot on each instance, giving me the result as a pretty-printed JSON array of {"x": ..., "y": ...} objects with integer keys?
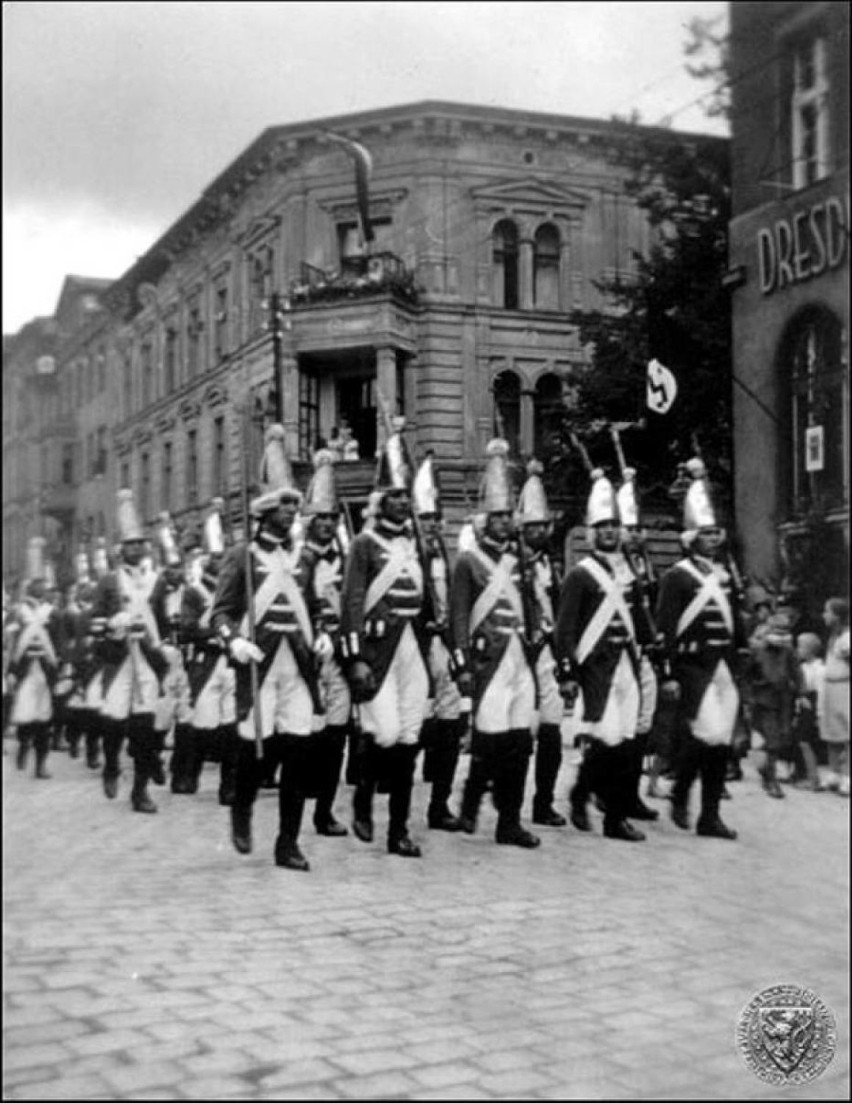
[{"x": 117, "y": 115}]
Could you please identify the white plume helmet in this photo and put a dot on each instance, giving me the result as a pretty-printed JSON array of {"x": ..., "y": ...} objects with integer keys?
[
  {"x": 698, "y": 512},
  {"x": 628, "y": 505},
  {"x": 424, "y": 492},
  {"x": 495, "y": 488},
  {"x": 100, "y": 558},
  {"x": 82, "y": 569},
  {"x": 166, "y": 544},
  {"x": 212, "y": 535},
  {"x": 532, "y": 503},
  {"x": 127, "y": 519},
  {"x": 602, "y": 504},
  {"x": 393, "y": 472},
  {"x": 276, "y": 475},
  {"x": 321, "y": 495}
]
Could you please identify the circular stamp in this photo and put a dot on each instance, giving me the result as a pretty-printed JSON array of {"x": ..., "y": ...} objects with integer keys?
[{"x": 786, "y": 1035}]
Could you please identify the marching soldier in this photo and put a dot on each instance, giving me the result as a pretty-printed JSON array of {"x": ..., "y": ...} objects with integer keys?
[
  {"x": 212, "y": 732},
  {"x": 442, "y": 731},
  {"x": 635, "y": 552},
  {"x": 598, "y": 651},
  {"x": 93, "y": 677},
  {"x": 173, "y": 706},
  {"x": 702, "y": 631},
  {"x": 385, "y": 648},
  {"x": 262, "y": 586},
  {"x": 133, "y": 662},
  {"x": 488, "y": 626},
  {"x": 323, "y": 556},
  {"x": 78, "y": 652},
  {"x": 34, "y": 663},
  {"x": 543, "y": 586}
]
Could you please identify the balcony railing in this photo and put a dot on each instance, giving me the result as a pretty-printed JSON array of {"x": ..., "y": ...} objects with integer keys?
[{"x": 357, "y": 277}]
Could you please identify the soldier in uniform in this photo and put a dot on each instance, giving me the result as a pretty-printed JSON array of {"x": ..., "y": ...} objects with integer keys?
[
  {"x": 702, "y": 631},
  {"x": 78, "y": 651},
  {"x": 283, "y": 712},
  {"x": 488, "y": 629},
  {"x": 167, "y": 597},
  {"x": 385, "y": 648},
  {"x": 442, "y": 730},
  {"x": 542, "y": 585},
  {"x": 34, "y": 663},
  {"x": 323, "y": 556},
  {"x": 212, "y": 731},
  {"x": 133, "y": 662},
  {"x": 598, "y": 650},
  {"x": 93, "y": 669}
]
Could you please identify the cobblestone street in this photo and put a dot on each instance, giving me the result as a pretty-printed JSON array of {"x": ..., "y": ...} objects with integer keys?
[{"x": 145, "y": 959}]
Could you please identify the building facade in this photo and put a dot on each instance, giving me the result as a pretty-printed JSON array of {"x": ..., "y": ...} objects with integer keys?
[
  {"x": 264, "y": 301},
  {"x": 789, "y": 273}
]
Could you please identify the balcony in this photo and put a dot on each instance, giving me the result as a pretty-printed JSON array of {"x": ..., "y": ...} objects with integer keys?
[
  {"x": 58, "y": 500},
  {"x": 358, "y": 277}
]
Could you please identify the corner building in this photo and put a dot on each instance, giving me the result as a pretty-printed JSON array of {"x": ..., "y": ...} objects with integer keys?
[{"x": 789, "y": 274}]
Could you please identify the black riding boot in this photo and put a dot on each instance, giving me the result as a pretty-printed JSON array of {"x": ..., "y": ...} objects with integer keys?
[
  {"x": 181, "y": 760},
  {"x": 439, "y": 767},
  {"x": 548, "y": 759},
  {"x": 73, "y": 733},
  {"x": 399, "y": 803},
  {"x": 512, "y": 752},
  {"x": 113, "y": 736},
  {"x": 687, "y": 765},
  {"x": 365, "y": 787},
  {"x": 144, "y": 745},
  {"x": 42, "y": 743},
  {"x": 478, "y": 777},
  {"x": 637, "y": 809},
  {"x": 228, "y": 765},
  {"x": 247, "y": 776},
  {"x": 714, "y": 763},
  {"x": 329, "y": 756},
  {"x": 25, "y": 738},
  {"x": 617, "y": 781},
  {"x": 91, "y": 724},
  {"x": 291, "y": 801}
]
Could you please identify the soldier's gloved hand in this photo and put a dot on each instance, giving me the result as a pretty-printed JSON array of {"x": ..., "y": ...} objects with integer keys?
[
  {"x": 361, "y": 681},
  {"x": 569, "y": 691},
  {"x": 119, "y": 625},
  {"x": 170, "y": 652},
  {"x": 670, "y": 690},
  {"x": 464, "y": 681},
  {"x": 244, "y": 651},
  {"x": 323, "y": 647}
]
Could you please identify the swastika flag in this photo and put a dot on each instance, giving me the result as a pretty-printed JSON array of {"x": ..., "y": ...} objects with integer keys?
[{"x": 662, "y": 388}]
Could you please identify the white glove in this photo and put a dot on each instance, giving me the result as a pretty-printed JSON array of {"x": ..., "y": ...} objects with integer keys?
[
  {"x": 170, "y": 652},
  {"x": 119, "y": 625},
  {"x": 323, "y": 647},
  {"x": 244, "y": 651}
]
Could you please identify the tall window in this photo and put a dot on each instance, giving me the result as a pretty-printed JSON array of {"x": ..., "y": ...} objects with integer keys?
[
  {"x": 261, "y": 276},
  {"x": 125, "y": 475},
  {"x": 145, "y": 486},
  {"x": 810, "y": 113},
  {"x": 507, "y": 401},
  {"x": 308, "y": 413},
  {"x": 101, "y": 452},
  {"x": 548, "y": 410},
  {"x": 194, "y": 326},
  {"x": 146, "y": 360},
  {"x": 68, "y": 464},
  {"x": 170, "y": 363},
  {"x": 167, "y": 475},
  {"x": 506, "y": 264},
  {"x": 101, "y": 371},
  {"x": 219, "y": 458},
  {"x": 220, "y": 322},
  {"x": 546, "y": 268},
  {"x": 819, "y": 402},
  {"x": 127, "y": 380},
  {"x": 192, "y": 467}
]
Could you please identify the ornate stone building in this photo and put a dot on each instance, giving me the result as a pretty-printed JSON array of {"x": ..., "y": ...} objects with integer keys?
[{"x": 489, "y": 227}]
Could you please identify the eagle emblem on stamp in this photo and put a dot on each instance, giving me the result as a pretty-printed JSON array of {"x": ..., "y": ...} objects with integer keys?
[{"x": 786, "y": 1035}]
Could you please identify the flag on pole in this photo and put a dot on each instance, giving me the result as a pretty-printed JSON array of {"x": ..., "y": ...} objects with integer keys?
[
  {"x": 363, "y": 171},
  {"x": 661, "y": 389}
]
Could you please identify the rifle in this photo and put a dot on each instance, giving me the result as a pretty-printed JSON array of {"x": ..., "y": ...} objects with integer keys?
[{"x": 250, "y": 621}]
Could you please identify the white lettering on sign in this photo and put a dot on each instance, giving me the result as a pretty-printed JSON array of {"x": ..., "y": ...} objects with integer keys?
[
  {"x": 814, "y": 448},
  {"x": 805, "y": 245}
]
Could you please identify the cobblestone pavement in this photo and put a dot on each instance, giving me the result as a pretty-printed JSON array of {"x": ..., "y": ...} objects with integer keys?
[{"x": 145, "y": 959}]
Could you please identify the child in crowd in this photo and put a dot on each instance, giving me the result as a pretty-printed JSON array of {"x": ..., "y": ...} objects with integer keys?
[
  {"x": 834, "y": 720},
  {"x": 772, "y": 687},
  {"x": 806, "y": 735}
]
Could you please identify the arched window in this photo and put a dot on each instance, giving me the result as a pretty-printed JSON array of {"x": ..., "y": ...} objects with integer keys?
[
  {"x": 814, "y": 373},
  {"x": 507, "y": 401},
  {"x": 548, "y": 410},
  {"x": 506, "y": 264},
  {"x": 546, "y": 267}
]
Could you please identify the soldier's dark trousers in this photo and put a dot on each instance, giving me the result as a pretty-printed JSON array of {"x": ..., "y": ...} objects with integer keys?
[
  {"x": 605, "y": 771},
  {"x": 37, "y": 736},
  {"x": 74, "y": 731},
  {"x": 400, "y": 775},
  {"x": 710, "y": 763},
  {"x": 329, "y": 748},
  {"x": 143, "y": 746},
  {"x": 297, "y": 755},
  {"x": 442, "y": 740},
  {"x": 183, "y": 764},
  {"x": 91, "y": 724},
  {"x": 548, "y": 759},
  {"x": 512, "y": 750}
]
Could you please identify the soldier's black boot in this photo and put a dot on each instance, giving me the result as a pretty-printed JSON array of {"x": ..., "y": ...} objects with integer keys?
[
  {"x": 365, "y": 787},
  {"x": 90, "y": 722},
  {"x": 291, "y": 804},
  {"x": 112, "y": 740},
  {"x": 73, "y": 733},
  {"x": 686, "y": 770},
  {"x": 139, "y": 799},
  {"x": 156, "y": 772},
  {"x": 478, "y": 777},
  {"x": 548, "y": 759},
  {"x": 769, "y": 776},
  {"x": 713, "y": 767},
  {"x": 512, "y": 757},
  {"x": 399, "y": 803},
  {"x": 329, "y": 755},
  {"x": 179, "y": 763},
  {"x": 41, "y": 742},
  {"x": 143, "y": 746},
  {"x": 24, "y": 741},
  {"x": 228, "y": 765},
  {"x": 578, "y": 798},
  {"x": 439, "y": 767}
]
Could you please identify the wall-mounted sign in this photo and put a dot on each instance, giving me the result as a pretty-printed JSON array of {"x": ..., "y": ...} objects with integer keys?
[
  {"x": 814, "y": 448},
  {"x": 804, "y": 244},
  {"x": 45, "y": 365}
]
